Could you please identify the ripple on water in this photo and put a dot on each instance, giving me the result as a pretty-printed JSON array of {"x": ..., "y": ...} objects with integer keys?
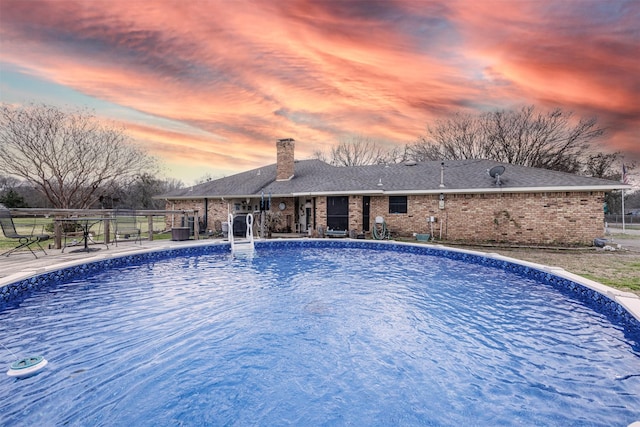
[{"x": 316, "y": 336}]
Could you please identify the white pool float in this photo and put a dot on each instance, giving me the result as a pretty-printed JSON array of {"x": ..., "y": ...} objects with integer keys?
[{"x": 26, "y": 367}]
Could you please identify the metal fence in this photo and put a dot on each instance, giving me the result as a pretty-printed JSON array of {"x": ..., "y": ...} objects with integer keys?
[
  {"x": 617, "y": 219},
  {"x": 107, "y": 217}
]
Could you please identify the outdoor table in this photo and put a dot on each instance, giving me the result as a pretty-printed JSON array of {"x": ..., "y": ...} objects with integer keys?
[{"x": 86, "y": 224}]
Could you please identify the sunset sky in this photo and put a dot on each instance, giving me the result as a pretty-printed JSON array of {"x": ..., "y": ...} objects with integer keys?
[{"x": 208, "y": 86}]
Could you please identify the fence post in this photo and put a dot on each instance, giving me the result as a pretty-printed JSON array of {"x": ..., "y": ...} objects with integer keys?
[
  {"x": 150, "y": 226},
  {"x": 107, "y": 229},
  {"x": 196, "y": 225}
]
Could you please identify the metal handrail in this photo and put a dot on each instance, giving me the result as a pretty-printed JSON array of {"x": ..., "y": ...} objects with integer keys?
[
  {"x": 230, "y": 231},
  {"x": 249, "y": 221},
  {"x": 248, "y": 234},
  {"x": 108, "y": 214}
]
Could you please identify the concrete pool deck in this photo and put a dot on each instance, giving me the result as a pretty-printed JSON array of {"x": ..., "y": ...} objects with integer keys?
[{"x": 21, "y": 265}]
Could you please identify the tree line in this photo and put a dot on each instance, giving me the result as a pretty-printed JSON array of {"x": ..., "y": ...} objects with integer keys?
[
  {"x": 551, "y": 140},
  {"x": 54, "y": 158},
  {"x": 70, "y": 159},
  {"x": 137, "y": 194}
]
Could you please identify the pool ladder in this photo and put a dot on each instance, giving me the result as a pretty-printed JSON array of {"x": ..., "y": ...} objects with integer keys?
[{"x": 242, "y": 247}]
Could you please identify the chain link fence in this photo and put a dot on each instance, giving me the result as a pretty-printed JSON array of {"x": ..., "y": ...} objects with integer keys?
[{"x": 617, "y": 219}]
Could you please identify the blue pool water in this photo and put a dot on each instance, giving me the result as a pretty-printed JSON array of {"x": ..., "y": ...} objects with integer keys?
[{"x": 317, "y": 335}]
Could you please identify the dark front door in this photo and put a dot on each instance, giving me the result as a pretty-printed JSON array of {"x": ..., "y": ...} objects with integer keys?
[
  {"x": 338, "y": 212},
  {"x": 366, "y": 202}
]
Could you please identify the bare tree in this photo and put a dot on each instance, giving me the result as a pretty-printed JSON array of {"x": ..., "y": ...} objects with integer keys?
[
  {"x": 358, "y": 151},
  {"x": 543, "y": 140},
  {"x": 423, "y": 151},
  {"x": 459, "y": 137},
  {"x": 600, "y": 165},
  {"x": 396, "y": 155},
  {"x": 70, "y": 157},
  {"x": 550, "y": 140},
  {"x": 320, "y": 155},
  {"x": 139, "y": 193}
]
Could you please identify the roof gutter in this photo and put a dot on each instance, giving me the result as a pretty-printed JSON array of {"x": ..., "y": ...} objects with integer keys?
[
  {"x": 548, "y": 189},
  {"x": 205, "y": 196},
  {"x": 510, "y": 190},
  {"x": 339, "y": 193},
  {"x": 376, "y": 192}
]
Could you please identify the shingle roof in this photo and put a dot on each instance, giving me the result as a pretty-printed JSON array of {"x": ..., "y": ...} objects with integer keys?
[{"x": 314, "y": 177}]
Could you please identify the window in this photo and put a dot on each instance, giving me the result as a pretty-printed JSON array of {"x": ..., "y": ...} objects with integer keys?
[
  {"x": 338, "y": 213},
  {"x": 397, "y": 204}
]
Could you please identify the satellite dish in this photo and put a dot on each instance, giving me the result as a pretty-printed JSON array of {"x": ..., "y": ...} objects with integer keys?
[{"x": 496, "y": 172}]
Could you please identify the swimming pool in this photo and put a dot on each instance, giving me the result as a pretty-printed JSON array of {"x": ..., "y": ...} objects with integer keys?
[{"x": 318, "y": 332}]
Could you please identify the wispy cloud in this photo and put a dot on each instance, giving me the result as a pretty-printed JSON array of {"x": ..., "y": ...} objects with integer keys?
[{"x": 238, "y": 75}]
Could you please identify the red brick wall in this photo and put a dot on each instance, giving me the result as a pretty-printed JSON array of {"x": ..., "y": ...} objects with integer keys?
[
  {"x": 321, "y": 212},
  {"x": 287, "y": 215},
  {"x": 285, "y": 159},
  {"x": 528, "y": 218},
  {"x": 355, "y": 213},
  {"x": 535, "y": 218}
]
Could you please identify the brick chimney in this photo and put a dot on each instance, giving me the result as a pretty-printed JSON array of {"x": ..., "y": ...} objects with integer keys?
[{"x": 285, "y": 165}]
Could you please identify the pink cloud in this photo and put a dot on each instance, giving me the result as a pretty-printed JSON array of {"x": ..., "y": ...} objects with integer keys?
[
  {"x": 582, "y": 60},
  {"x": 246, "y": 73}
]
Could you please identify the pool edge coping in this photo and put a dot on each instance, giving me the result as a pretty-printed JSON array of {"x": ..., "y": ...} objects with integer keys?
[{"x": 629, "y": 301}]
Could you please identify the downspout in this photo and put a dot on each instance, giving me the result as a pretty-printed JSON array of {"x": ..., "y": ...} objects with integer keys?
[
  {"x": 314, "y": 214},
  {"x": 205, "y": 218}
]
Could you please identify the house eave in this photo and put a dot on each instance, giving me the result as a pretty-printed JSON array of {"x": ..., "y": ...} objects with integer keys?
[
  {"x": 338, "y": 193},
  {"x": 216, "y": 197},
  {"x": 548, "y": 189},
  {"x": 444, "y": 190}
]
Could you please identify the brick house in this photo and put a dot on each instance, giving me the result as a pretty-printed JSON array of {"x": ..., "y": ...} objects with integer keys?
[{"x": 453, "y": 200}]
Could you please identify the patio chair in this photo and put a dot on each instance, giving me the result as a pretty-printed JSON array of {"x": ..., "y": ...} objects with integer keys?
[
  {"x": 127, "y": 227},
  {"x": 24, "y": 240}
]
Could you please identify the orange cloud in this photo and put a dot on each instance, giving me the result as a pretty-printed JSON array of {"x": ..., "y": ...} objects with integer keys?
[{"x": 215, "y": 83}]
